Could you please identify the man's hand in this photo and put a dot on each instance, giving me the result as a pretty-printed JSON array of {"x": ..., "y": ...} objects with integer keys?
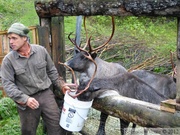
[
  {"x": 32, "y": 103},
  {"x": 65, "y": 88}
]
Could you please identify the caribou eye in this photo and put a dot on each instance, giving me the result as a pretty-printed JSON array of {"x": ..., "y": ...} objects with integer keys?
[
  {"x": 87, "y": 54},
  {"x": 82, "y": 57}
]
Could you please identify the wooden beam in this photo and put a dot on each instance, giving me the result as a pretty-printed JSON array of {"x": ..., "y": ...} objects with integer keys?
[
  {"x": 142, "y": 113},
  {"x": 51, "y": 8}
]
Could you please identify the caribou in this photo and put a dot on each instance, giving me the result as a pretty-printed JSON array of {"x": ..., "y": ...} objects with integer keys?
[
  {"x": 131, "y": 85},
  {"x": 80, "y": 63},
  {"x": 161, "y": 82},
  {"x": 127, "y": 84}
]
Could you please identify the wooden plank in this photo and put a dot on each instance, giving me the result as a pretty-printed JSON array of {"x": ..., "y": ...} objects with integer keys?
[
  {"x": 3, "y": 32},
  {"x": 33, "y": 29},
  {"x": 3, "y": 92},
  {"x": 1, "y": 58},
  {"x": 168, "y": 105},
  {"x": 34, "y": 36},
  {"x": 2, "y": 89},
  {"x": 5, "y": 44}
]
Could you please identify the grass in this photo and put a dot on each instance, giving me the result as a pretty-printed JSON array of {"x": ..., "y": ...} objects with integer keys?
[
  {"x": 135, "y": 40},
  {"x": 9, "y": 119}
]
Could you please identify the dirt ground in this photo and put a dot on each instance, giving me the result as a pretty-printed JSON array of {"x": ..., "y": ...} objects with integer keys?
[{"x": 112, "y": 125}]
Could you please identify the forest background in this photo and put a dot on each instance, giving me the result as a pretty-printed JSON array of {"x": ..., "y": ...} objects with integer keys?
[{"x": 138, "y": 43}]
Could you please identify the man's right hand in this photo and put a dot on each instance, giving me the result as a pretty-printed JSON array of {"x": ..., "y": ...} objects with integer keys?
[
  {"x": 65, "y": 88},
  {"x": 32, "y": 103}
]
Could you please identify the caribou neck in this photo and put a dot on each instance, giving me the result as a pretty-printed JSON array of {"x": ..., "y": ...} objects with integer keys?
[{"x": 101, "y": 64}]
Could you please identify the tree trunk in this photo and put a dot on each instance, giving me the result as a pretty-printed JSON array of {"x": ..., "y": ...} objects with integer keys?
[
  {"x": 142, "y": 113},
  {"x": 178, "y": 62},
  {"x": 50, "y": 8}
]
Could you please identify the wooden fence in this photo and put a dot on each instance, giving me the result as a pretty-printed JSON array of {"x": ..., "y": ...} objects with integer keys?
[{"x": 4, "y": 45}]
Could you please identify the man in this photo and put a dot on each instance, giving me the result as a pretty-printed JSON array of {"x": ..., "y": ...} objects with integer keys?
[{"x": 27, "y": 73}]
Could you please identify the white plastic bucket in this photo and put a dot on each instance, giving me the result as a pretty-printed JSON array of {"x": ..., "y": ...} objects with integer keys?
[{"x": 74, "y": 113}]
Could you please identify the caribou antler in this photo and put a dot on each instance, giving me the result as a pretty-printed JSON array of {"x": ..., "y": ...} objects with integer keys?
[
  {"x": 75, "y": 84},
  {"x": 88, "y": 39},
  {"x": 172, "y": 63},
  {"x": 99, "y": 47},
  {"x": 74, "y": 77},
  {"x": 84, "y": 23},
  {"x": 73, "y": 42}
]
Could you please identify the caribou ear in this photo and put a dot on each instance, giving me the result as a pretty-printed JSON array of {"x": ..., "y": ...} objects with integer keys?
[{"x": 94, "y": 55}]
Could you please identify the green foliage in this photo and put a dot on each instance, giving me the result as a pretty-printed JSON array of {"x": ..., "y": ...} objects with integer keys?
[
  {"x": 159, "y": 69},
  {"x": 9, "y": 119},
  {"x": 10, "y": 126},
  {"x": 7, "y": 108},
  {"x": 70, "y": 27},
  {"x": 164, "y": 49},
  {"x": 12, "y": 11},
  {"x": 9, "y": 123},
  {"x": 137, "y": 38},
  {"x": 152, "y": 30}
]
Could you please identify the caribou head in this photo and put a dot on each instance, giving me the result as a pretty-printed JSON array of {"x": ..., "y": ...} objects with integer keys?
[{"x": 85, "y": 58}]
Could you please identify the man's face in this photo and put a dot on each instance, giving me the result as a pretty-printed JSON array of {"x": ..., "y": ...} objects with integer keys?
[{"x": 16, "y": 41}]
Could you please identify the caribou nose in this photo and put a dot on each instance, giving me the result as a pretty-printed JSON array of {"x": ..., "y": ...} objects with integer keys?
[
  {"x": 66, "y": 63},
  {"x": 69, "y": 63}
]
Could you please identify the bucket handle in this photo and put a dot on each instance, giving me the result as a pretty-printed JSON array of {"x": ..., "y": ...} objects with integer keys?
[{"x": 79, "y": 113}]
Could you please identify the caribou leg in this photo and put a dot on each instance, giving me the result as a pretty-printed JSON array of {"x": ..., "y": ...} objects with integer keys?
[
  {"x": 145, "y": 131},
  {"x": 133, "y": 129},
  {"x": 124, "y": 126},
  {"x": 101, "y": 129}
]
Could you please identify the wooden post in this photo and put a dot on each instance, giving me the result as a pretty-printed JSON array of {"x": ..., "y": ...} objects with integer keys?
[
  {"x": 178, "y": 61},
  {"x": 44, "y": 34},
  {"x": 58, "y": 44},
  {"x": 51, "y": 35}
]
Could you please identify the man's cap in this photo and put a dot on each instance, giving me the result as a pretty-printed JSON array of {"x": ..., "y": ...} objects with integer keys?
[{"x": 18, "y": 28}]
